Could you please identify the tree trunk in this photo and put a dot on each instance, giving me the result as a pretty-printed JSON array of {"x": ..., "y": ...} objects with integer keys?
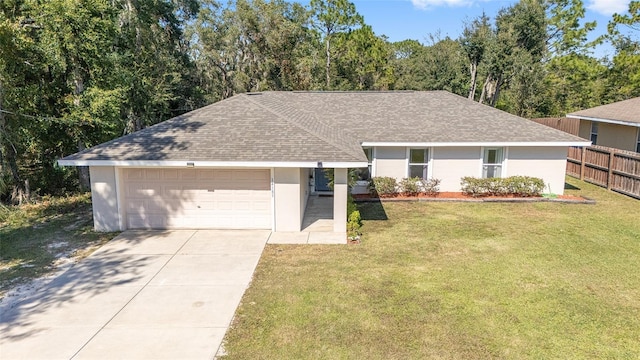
[
  {"x": 83, "y": 171},
  {"x": 20, "y": 192},
  {"x": 485, "y": 89},
  {"x": 473, "y": 68},
  {"x": 8, "y": 157},
  {"x": 496, "y": 91},
  {"x": 328, "y": 64}
]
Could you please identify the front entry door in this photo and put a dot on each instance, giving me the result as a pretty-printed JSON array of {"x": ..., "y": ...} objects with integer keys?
[{"x": 322, "y": 183}]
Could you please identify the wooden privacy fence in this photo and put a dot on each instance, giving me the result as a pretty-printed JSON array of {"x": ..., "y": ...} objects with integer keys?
[
  {"x": 615, "y": 169},
  {"x": 568, "y": 125}
]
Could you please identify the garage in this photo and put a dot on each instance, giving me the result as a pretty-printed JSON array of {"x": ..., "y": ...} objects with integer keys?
[{"x": 193, "y": 198}]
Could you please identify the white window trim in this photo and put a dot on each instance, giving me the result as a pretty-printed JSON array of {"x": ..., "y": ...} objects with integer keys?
[
  {"x": 638, "y": 141},
  {"x": 503, "y": 164},
  {"x": 428, "y": 163},
  {"x": 591, "y": 133}
]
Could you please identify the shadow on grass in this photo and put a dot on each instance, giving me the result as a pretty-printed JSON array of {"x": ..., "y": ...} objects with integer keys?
[
  {"x": 372, "y": 210},
  {"x": 568, "y": 186}
]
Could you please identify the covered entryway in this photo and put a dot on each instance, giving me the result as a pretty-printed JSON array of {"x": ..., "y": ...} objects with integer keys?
[{"x": 197, "y": 198}]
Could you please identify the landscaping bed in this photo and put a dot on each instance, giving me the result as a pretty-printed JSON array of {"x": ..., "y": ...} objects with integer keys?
[{"x": 459, "y": 196}]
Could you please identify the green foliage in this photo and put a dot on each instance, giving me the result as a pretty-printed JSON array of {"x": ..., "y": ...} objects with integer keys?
[
  {"x": 354, "y": 220},
  {"x": 566, "y": 30},
  {"x": 354, "y": 224},
  {"x": 410, "y": 186},
  {"x": 414, "y": 186},
  {"x": 523, "y": 186},
  {"x": 351, "y": 205},
  {"x": 430, "y": 187},
  {"x": 385, "y": 186}
]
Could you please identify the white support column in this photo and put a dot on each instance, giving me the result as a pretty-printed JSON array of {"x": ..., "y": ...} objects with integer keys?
[{"x": 340, "y": 201}]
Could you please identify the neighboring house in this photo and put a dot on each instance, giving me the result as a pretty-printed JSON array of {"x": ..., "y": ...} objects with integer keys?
[
  {"x": 251, "y": 161},
  {"x": 615, "y": 125}
]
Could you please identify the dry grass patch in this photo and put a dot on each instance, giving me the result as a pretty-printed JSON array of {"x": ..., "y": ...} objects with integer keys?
[
  {"x": 35, "y": 239},
  {"x": 451, "y": 281}
]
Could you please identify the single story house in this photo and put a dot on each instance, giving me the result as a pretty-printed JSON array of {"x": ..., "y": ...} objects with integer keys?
[
  {"x": 615, "y": 125},
  {"x": 252, "y": 160}
]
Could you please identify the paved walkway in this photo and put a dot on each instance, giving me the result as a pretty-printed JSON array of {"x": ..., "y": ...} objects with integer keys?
[{"x": 144, "y": 295}]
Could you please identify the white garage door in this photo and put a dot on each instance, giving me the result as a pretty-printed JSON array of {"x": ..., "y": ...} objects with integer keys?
[{"x": 197, "y": 199}]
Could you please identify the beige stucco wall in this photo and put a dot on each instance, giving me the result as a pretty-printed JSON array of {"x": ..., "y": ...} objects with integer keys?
[
  {"x": 340, "y": 190},
  {"x": 449, "y": 164},
  {"x": 585, "y": 129},
  {"x": 611, "y": 135},
  {"x": 548, "y": 163},
  {"x": 287, "y": 199},
  {"x": 104, "y": 196},
  {"x": 617, "y": 136},
  {"x": 391, "y": 161}
]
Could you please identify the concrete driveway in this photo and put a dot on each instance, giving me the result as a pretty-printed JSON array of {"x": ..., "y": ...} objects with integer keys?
[{"x": 144, "y": 295}]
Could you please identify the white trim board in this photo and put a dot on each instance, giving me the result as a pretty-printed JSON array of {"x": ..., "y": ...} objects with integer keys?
[
  {"x": 201, "y": 164},
  {"x": 610, "y": 121},
  {"x": 482, "y": 144}
]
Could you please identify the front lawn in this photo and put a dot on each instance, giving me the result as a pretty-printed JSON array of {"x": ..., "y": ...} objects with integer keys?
[{"x": 455, "y": 281}]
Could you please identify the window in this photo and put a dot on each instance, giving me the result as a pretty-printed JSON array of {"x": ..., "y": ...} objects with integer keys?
[
  {"x": 594, "y": 132},
  {"x": 492, "y": 162},
  {"x": 419, "y": 163},
  {"x": 638, "y": 142}
]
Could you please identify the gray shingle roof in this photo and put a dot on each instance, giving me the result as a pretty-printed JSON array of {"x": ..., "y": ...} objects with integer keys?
[
  {"x": 626, "y": 110},
  {"x": 319, "y": 126}
]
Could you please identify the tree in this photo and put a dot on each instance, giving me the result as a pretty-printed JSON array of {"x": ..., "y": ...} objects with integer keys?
[
  {"x": 252, "y": 46},
  {"x": 363, "y": 63},
  {"x": 77, "y": 37},
  {"x": 153, "y": 60},
  {"x": 572, "y": 82},
  {"x": 330, "y": 18},
  {"x": 444, "y": 66},
  {"x": 624, "y": 74},
  {"x": 474, "y": 40},
  {"x": 407, "y": 60},
  {"x": 515, "y": 54},
  {"x": 565, "y": 34}
]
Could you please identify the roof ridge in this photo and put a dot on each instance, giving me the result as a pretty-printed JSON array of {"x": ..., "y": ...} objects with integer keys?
[{"x": 344, "y": 144}]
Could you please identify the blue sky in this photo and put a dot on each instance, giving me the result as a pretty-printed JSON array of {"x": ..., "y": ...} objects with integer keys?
[{"x": 416, "y": 19}]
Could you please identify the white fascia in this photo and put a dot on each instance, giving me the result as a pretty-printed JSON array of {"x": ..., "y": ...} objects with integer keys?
[
  {"x": 485, "y": 144},
  {"x": 617, "y": 122},
  {"x": 218, "y": 164}
]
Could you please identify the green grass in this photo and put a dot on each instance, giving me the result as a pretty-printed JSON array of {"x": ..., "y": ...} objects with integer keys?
[
  {"x": 34, "y": 236},
  {"x": 455, "y": 281}
]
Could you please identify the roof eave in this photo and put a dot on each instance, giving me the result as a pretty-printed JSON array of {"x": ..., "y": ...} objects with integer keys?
[
  {"x": 483, "y": 143},
  {"x": 610, "y": 121},
  {"x": 213, "y": 164}
]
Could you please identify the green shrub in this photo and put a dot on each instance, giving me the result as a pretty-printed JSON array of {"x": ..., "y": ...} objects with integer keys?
[
  {"x": 430, "y": 187},
  {"x": 410, "y": 186},
  {"x": 524, "y": 186},
  {"x": 351, "y": 205},
  {"x": 472, "y": 186},
  {"x": 385, "y": 186},
  {"x": 354, "y": 224}
]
